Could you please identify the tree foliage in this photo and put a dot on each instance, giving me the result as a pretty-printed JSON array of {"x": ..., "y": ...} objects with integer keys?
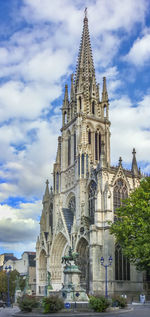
[
  {"x": 12, "y": 283},
  {"x": 132, "y": 227}
]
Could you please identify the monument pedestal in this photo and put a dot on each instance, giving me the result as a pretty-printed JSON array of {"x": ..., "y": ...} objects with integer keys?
[{"x": 72, "y": 291}]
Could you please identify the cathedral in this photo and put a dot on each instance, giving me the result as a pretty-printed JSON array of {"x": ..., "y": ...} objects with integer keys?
[{"x": 86, "y": 191}]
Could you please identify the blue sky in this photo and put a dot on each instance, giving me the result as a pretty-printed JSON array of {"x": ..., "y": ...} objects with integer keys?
[{"x": 39, "y": 43}]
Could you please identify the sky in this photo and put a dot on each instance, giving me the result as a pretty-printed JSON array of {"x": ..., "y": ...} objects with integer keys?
[{"x": 39, "y": 44}]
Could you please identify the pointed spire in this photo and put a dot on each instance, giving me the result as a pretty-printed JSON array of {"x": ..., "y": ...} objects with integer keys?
[
  {"x": 104, "y": 92},
  {"x": 46, "y": 195},
  {"x": 66, "y": 100},
  {"x": 58, "y": 155},
  {"x": 135, "y": 170},
  {"x": 72, "y": 94},
  {"x": 85, "y": 67}
]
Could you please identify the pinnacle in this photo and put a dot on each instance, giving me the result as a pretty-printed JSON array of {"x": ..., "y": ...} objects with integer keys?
[
  {"x": 46, "y": 190},
  {"x": 134, "y": 164}
]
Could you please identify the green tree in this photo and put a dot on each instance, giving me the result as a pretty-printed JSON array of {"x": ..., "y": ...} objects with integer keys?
[
  {"x": 132, "y": 227},
  {"x": 3, "y": 284},
  {"x": 12, "y": 283}
]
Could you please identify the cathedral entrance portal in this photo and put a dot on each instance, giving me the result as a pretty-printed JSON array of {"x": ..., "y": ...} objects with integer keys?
[
  {"x": 56, "y": 267},
  {"x": 83, "y": 262},
  {"x": 42, "y": 273}
]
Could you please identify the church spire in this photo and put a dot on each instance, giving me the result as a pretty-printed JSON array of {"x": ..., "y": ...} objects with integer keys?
[
  {"x": 135, "y": 170},
  {"x": 85, "y": 72}
]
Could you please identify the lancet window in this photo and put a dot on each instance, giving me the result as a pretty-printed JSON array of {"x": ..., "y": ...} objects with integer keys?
[
  {"x": 91, "y": 200},
  {"x": 57, "y": 181},
  {"x": 89, "y": 136},
  {"x": 96, "y": 153},
  {"x": 79, "y": 165},
  {"x": 120, "y": 192},
  {"x": 97, "y": 145},
  {"x": 122, "y": 265},
  {"x": 69, "y": 149},
  {"x": 74, "y": 146},
  {"x": 80, "y": 103},
  {"x": 72, "y": 204},
  {"x": 93, "y": 107}
]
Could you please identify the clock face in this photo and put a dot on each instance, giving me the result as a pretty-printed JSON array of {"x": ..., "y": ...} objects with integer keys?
[{"x": 82, "y": 230}]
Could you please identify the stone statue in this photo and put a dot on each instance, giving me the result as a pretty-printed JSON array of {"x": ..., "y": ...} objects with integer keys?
[
  {"x": 72, "y": 256},
  {"x": 49, "y": 285}
]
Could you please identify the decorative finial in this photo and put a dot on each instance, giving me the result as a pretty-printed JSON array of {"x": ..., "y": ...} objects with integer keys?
[
  {"x": 51, "y": 189},
  {"x": 85, "y": 12},
  {"x": 134, "y": 152},
  {"x": 47, "y": 182},
  {"x": 120, "y": 161}
]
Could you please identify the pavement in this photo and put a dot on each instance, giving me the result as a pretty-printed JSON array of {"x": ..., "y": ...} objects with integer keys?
[{"x": 8, "y": 311}]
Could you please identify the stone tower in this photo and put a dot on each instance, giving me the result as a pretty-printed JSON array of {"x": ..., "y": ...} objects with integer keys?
[{"x": 86, "y": 189}]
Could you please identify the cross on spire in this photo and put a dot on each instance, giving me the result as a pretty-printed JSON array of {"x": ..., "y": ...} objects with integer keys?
[{"x": 85, "y": 13}]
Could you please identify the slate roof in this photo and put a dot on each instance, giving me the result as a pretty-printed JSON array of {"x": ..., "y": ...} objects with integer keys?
[{"x": 68, "y": 215}]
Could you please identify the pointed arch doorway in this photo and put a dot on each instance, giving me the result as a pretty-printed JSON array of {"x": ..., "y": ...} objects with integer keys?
[
  {"x": 56, "y": 268},
  {"x": 42, "y": 272},
  {"x": 83, "y": 262}
]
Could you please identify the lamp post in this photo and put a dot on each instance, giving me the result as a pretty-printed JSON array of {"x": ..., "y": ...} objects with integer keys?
[
  {"x": 8, "y": 269},
  {"x": 106, "y": 266}
]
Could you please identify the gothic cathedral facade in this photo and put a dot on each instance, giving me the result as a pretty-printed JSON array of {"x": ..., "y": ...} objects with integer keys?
[{"x": 86, "y": 190}]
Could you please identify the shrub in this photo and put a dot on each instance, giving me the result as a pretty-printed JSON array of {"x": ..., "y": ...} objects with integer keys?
[
  {"x": 27, "y": 303},
  {"x": 119, "y": 301},
  {"x": 52, "y": 304},
  {"x": 98, "y": 303}
]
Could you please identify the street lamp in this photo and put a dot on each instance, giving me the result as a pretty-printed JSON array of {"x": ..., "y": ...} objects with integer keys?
[
  {"x": 106, "y": 266},
  {"x": 8, "y": 269}
]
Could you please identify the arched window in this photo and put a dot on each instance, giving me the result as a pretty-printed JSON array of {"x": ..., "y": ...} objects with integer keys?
[
  {"x": 120, "y": 192},
  {"x": 105, "y": 107},
  {"x": 122, "y": 265},
  {"x": 87, "y": 163},
  {"x": 51, "y": 216},
  {"x": 89, "y": 136},
  {"x": 99, "y": 139},
  {"x": 65, "y": 117},
  {"x": 93, "y": 107},
  {"x": 57, "y": 181},
  {"x": 82, "y": 162},
  {"x": 96, "y": 154},
  {"x": 69, "y": 149},
  {"x": 80, "y": 103},
  {"x": 91, "y": 200},
  {"x": 72, "y": 205},
  {"x": 74, "y": 146},
  {"x": 79, "y": 165}
]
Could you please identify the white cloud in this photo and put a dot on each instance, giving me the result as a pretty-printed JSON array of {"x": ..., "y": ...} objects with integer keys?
[
  {"x": 130, "y": 129},
  {"x": 139, "y": 53},
  {"x": 25, "y": 170},
  {"x": 19, "y": 225}
]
